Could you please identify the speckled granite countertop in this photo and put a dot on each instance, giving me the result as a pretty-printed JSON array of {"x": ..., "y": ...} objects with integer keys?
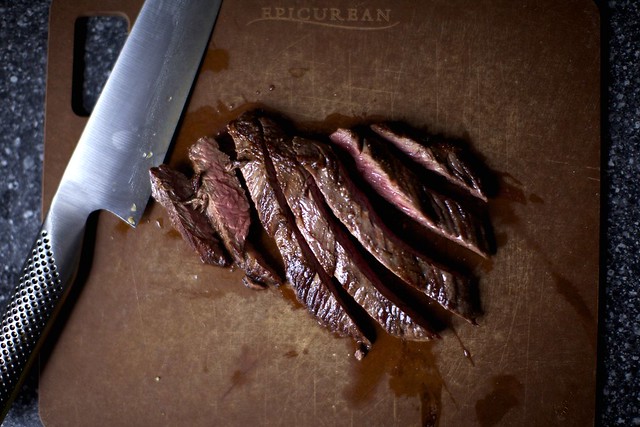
[{"x": 23, "y": 55}]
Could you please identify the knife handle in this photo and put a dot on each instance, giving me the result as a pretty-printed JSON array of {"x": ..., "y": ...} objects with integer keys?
[{"x": 48, "y": 271}]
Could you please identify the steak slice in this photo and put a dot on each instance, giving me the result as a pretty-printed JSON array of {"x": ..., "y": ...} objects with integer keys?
[
  {"x": 399, "y": 186},
  {"x": 351, "y": 206},
  {"x": 225, "y": 203},
  {"x": 173, "y": 190},
  {"x": 311, "y": 286},
  {"x": 443, "y": 158},
  {"x": 333, "y": 250}
]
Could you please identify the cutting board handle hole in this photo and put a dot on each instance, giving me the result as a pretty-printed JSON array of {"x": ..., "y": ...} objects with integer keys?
[{"x": 93, "y": 59}]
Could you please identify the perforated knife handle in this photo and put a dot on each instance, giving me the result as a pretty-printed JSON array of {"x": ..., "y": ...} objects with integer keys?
[{"x": 48, "y": 271}]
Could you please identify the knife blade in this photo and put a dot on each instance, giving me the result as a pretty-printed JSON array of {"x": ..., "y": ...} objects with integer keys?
[{"x": 128, "y": 132}]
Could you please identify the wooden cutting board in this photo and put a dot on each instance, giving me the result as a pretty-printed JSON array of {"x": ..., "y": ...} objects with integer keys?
[{"x": 153, "y": 337}]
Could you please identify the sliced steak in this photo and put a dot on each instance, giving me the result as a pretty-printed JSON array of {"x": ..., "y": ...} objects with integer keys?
[
  {"x": 443, "y": 158},
  {"x": 225, "y": 203},
  {"x": 173, "y": 190},
  {"x": 399, "y": 186},
  {"x": 352, "y": 207},
  {"x": 333, "y": 250},
  {"x": 310, "y": 284}
]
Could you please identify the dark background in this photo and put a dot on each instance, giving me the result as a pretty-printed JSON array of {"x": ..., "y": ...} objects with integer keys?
[{"x": 23, "y": 56}]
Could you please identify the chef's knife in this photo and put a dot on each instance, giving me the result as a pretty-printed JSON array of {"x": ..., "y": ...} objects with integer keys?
[{"x": 128, "y": 132}]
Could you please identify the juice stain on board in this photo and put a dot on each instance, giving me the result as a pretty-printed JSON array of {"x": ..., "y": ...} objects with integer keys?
[
  {"x": 411, "y": 370},
  {"x": 205, "y": 121},
  {"x": 512, "y": 192},
  {"x": 506, "y": 393}
]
